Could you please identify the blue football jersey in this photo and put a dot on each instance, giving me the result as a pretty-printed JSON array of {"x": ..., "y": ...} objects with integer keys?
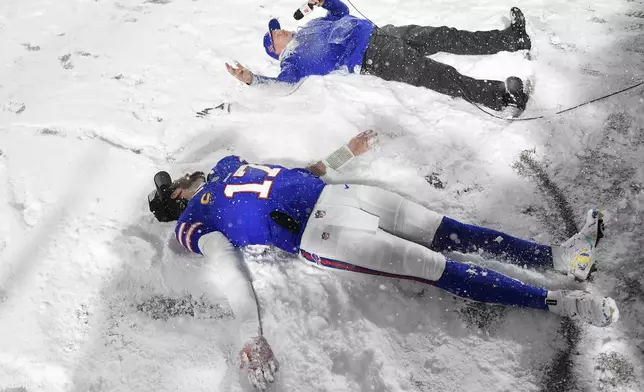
[{"x": 238, "y": 199}]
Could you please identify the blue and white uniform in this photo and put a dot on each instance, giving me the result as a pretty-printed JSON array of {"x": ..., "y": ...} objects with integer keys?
[
  {"x": 349, "y": 227},
  {"x": 370, "y": 230},
  {"x": 238, "y": 198}
]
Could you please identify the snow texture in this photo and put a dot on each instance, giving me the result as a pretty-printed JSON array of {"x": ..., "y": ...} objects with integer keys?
[{"x": 96, "y": 96}]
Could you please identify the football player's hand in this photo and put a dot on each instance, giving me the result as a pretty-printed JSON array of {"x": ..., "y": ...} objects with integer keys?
[
  {"x": 240, "y": 72},
  {"x": 258, "y": 360},
  {"x": 318, "y": 3},
  {"x": 362, "y": 142}
]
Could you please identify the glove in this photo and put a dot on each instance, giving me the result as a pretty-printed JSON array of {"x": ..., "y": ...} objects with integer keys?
[{"x": 257, "y": 358}]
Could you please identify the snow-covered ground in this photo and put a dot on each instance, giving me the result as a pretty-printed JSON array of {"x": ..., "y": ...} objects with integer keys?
[{"x": 96, "y": 96}]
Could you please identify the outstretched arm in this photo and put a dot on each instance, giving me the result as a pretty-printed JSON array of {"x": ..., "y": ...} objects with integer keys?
[
  {"x": 288, "y": 74},
  {"x": 358, "y": 145},
  {"x": 233, "y": 279}
]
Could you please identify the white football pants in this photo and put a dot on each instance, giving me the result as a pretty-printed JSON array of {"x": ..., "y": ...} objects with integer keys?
[{"x": 370, "y": 230}]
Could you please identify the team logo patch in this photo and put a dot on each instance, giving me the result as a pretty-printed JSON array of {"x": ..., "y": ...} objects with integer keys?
[
  {"x": 551, "y": 302},
  {"x": 205, "y": 198},
  {"x": 320, "y": 214},
  {"x": 325, "y": 236}
]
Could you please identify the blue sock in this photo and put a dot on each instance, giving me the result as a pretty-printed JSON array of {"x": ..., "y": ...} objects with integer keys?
[
  {"x": 453, "y": 235},
  {"x": 484, "y": 285}
]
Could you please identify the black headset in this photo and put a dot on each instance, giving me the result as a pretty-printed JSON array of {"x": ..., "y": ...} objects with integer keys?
[{"x": 165, "y": 208}]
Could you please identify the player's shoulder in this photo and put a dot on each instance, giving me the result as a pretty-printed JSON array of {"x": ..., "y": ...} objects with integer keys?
[
  {"x": 195, "y": 222},
  {"x": 225, "y": 167},
  {"x": 188, "y": 232}
]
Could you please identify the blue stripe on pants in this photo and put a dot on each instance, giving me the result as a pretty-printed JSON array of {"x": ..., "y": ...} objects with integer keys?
[{"x": 453, "y": 235}]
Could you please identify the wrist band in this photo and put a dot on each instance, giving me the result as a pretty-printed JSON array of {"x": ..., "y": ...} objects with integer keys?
[{"x": 339, "y": 158}]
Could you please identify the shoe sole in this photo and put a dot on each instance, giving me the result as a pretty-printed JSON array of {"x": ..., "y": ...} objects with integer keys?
[
  {"x": 611, "y": 312},
  {"x": 517, "y": 21},
  {"x": 516, "y": 88},
  {"x": 584, "y": 263}
]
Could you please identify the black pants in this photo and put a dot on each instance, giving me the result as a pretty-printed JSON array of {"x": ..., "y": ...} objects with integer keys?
[{"x": 399, "y": 54}]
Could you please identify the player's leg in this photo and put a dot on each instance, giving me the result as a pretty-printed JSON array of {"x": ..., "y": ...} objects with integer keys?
[
  {"x": 573, "y": 256},
  {"x": 453, "y": 235},
  {"x": 378, "y": 253},
  {"x": 409, "y": 220},
  {"x": 430, "y": 40},
  {"x": 384, "y": 254},
  {"x": 396, "y": 214},
  {"x": 485, "y": 285}
]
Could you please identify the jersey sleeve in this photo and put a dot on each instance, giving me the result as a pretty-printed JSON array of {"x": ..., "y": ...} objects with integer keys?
[
  {"x": 189, "y": 233},
  {"x": 290, "y": 73},
  {"x": 227, "y": 270},
  {"x": 336, "y": 9}
]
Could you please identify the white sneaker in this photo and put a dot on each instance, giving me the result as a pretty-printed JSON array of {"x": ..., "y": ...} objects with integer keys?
[
  {"x": 575, "y": 256},
  {"x": 581, "y": 305}
]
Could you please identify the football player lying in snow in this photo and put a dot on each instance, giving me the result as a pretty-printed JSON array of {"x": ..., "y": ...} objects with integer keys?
[{"x": 356, "y": 228}]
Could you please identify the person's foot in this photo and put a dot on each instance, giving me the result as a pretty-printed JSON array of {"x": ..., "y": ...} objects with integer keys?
[
  {"x": 515, "y": 94},
  {"x": 581, "y": 305},
  {"x": 517, "y": 24},
  {"x": 576, "y": 255}
]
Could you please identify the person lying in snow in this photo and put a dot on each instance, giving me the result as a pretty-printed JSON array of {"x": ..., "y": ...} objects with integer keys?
[
  {"x": 356, "y": 228},
  {"x": 340, "y": 40}
]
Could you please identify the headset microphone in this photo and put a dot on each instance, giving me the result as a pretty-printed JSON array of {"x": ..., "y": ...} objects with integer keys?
[{"x": 303, "y": 11}]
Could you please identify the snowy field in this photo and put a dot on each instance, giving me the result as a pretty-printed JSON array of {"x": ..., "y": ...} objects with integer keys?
[{"x": 96, "y": 96}]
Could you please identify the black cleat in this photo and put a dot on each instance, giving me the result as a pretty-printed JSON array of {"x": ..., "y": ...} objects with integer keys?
[
  {"x": 515, "y": 94},
  {"x": 517, "y": 24}
]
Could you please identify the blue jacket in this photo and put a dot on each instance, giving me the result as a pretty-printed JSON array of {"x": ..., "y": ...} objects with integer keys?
[{"x": 324, "y": 45}]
